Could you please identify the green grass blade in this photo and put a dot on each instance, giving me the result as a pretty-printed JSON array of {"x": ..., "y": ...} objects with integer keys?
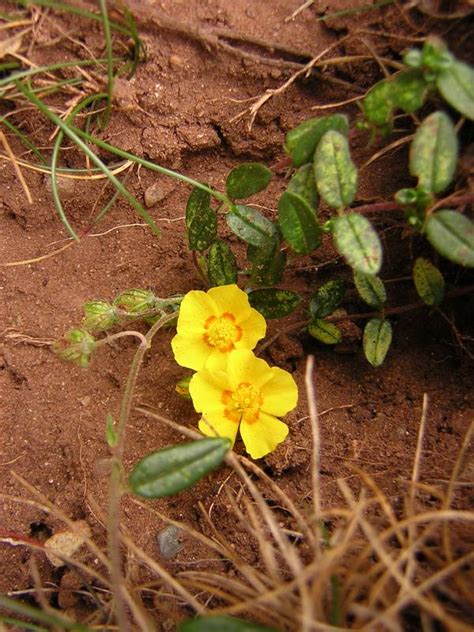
[
  {"x": 30, "y": 612},
  {"x": 110, "y": 66},
  {"x": 24, "y": 139},
  {"x": 54, "y": 161},
  {"x": 152, "y": 166},
  {"x": 64, "y": 6},
  {"x": 15, "y": 77},
  {"x": 72, "y": 133},
  {"x": 22, "y": 625},
  {"x": 138, "y": 44}
]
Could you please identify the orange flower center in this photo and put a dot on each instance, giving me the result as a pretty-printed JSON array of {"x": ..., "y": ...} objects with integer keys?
[
  {"x": 243, "y": 404},
  {"x": 222, "y": 332}
]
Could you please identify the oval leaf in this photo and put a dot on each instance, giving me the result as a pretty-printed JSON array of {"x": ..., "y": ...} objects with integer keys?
[
  {"x": 268, "y": 264},
  {"x": 452, "y": 235},
  {"x": 247, "y": 179},
  {"x": 434, "y": 153},
  {"x": 173, "y": 469},
  {"x": 221, "y": 624},
  {"x": 357, "y": 241},
  {"x": 408, "y": 90},
  {"x": 324, "y": 331},
  {"x": 303, "y": 184},
  {"x": 377, "y": 104},
  {"x": 201, "y": 220},
  {"x": 251, "y": 226},
  {"x": 371, "y": 289},
  {"x": 298, "y": 224},
  {"x": 456, "y": 84},
  {"x": 429, "y": 282},
  {"x": 274, "y": 303},
  {"x": 301, "y": 142},
  {"x": 377, "y": 340},
  {"x": 335, "y": 173},
  {"x": 221, "y": 264},
  {"x": 327, "y": 298}
]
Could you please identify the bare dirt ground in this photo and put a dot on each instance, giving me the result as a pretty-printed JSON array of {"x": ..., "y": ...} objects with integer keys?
[{"x": 178, "y": 110}]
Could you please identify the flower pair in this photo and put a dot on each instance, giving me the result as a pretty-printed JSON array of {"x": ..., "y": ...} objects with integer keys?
[{"x": 232, "y": 388}]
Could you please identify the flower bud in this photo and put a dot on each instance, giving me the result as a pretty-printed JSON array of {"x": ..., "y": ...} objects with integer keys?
[
  {"x": 99, "y": 315},
  {"x": 182, "y": 387},
  {"x": 136, "y": 300},
  {"x": 76, "y": 346}
]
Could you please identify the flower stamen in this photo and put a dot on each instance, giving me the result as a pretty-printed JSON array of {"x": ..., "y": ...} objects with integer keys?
[
  {"x": 222, "y": 332},
  {"x": 243, "y": 404}
]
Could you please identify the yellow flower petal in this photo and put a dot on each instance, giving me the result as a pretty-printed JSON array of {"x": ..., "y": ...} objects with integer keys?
[
  {"x": 219, "y": 425},
  {"x": 280, "y": 393},
  {"x": 254, "y": 328},
  {"x": 195, "y": 309},
  {"x": 230, "y": 298},
  {"x": 244, "y": 366},
  {"x": 190, "y": 351},
  {"x": 206, "y": 390},
  {"x": 263, "y": 436}
]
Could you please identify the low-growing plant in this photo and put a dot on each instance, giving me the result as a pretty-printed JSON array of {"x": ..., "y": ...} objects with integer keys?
[
  {"x": 323, "y": 171},
  {"x": 233, "y": 389}
]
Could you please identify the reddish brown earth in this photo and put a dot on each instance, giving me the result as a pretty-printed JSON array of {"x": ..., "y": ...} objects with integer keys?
[{"x": 178, "y": 110}]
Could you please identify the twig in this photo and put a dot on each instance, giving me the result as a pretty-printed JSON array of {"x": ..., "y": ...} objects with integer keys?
[{"x": 16, "y": 166}]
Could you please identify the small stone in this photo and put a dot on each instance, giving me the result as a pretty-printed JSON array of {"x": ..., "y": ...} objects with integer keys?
[
  {"x": 154, "y": 194},
  {"x": 69, "y": 587},
  {"x": 66, "y": 187},
  {"x": 169, "y": 541},
  {"x": 66, "y": 542},
  {"x": 176, "y": 62}
]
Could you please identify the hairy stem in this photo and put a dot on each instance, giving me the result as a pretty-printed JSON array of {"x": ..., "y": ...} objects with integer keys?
[{"x": 116, "y": 475}]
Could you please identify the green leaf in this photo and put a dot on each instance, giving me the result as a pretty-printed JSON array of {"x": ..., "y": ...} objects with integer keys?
[
  {"x": 408, "y": 90},
  {"x": 221, "y": 624},
  {"x": 251, "y": 226},
  {"x": 110, "y": 432},
  {"x": 298, "y": 223},
  {"x": 274, "y": 303},
  {"x": 247, "y": 179},
  {"x": 268, "y": 264},
  {"x": 434, "y": 153},
  {"x": 301, "y": 142},
  {"x": 327, "y": 298},
  {"x": 221, "y": 264},
  {"x": 377, "y": 340},
  {"x": 456, "y": 84},
  {"x": 325, "y": 331},
  {"x": 303, "y": 184},
  {"x": 178, "y": 467},
  {"x": 429, "y": 282},
  {"x": 377, "y": 105},
  {"x": 357, "y": 241},
  {"x": 201, "y": 220},
  {"x": 452, "y": 235},
  {"x": 335, "y": 173},
  {"x": 371, "y": 289}
]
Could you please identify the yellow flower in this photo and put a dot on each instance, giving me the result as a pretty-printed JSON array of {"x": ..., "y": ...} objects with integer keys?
[
  {"x": 248, "y": 394},
  {"x": 213, "y": 323}
]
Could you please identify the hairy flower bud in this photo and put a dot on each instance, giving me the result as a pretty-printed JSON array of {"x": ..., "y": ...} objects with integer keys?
[
  {"x": 182, "y": 387},
  {"x": 76, "y": 346},
  {"x": 99, "y": 315},
  {"x": 136, "y": 300}
]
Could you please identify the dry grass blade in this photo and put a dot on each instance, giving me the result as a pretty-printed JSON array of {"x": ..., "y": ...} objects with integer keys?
[{"x": 16, "y": 166}]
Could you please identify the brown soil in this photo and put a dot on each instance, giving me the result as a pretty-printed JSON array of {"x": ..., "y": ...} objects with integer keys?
[{"x": 177, "y": 111}]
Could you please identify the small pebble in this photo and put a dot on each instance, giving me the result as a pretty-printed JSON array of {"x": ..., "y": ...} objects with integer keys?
[
  {"x": 169, "y": 541},
  {"x": 154, "y": 194}
]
